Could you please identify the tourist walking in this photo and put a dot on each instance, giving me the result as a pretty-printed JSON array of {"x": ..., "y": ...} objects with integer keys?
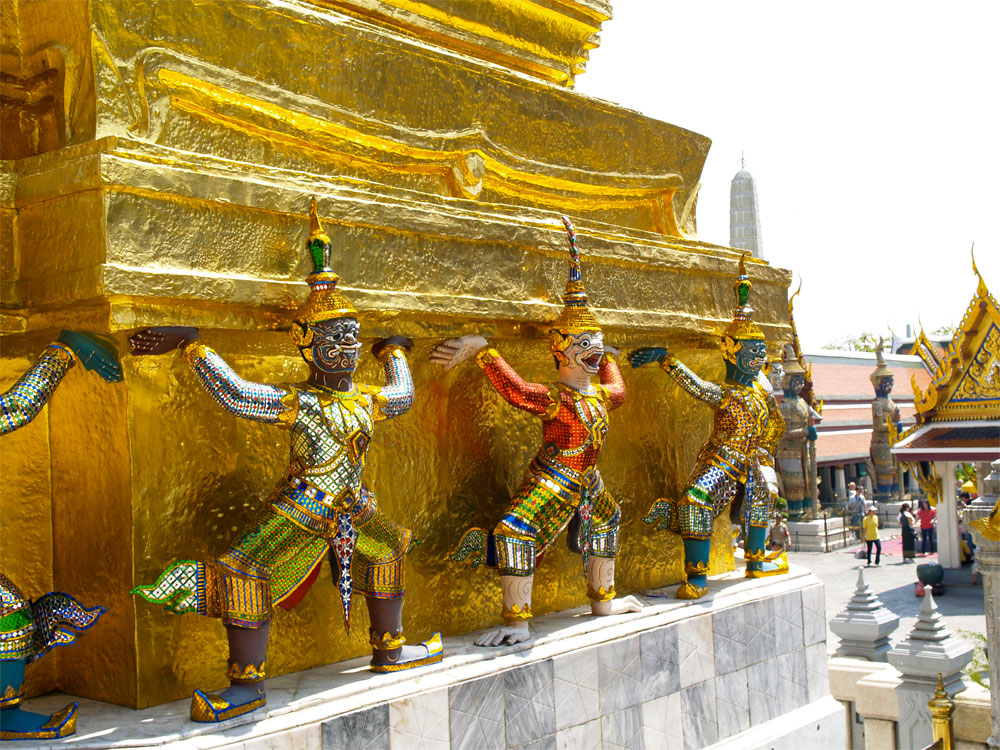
[
  {"x": 907, "y": 523},
  {"x": 927, "y": 516},
  {"x": 855, "y": 509},
  {"x": 872, "y": 538},
  {"x": 778, "y": 537}
]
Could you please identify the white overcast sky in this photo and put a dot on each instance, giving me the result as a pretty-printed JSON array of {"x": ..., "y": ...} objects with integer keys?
[{"x": 872, "y": 129}]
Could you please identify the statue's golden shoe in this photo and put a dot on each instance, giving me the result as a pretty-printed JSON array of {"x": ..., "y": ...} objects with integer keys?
[
  {"x": 689, "y": 590},
  {"x": 772, "y": 566},
  {"x": 210, "y": 708},
  {"x": 61, "y": 724},
  {"x": 435, "y": 653}
]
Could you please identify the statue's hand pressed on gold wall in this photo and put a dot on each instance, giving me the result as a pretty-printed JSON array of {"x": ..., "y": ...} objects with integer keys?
[
  {"x": 455, "y": 351},
  {"x": 641, "y": 357},
  {"x": 161, "y": 339},
  {"x": 401, "y": 341}
]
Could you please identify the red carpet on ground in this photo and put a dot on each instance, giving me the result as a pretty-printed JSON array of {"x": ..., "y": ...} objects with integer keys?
[{"x": 891, "y": 548}]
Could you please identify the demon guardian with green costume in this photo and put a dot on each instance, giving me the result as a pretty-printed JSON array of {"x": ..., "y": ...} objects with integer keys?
[
  {"x": 320, "y": 506},
  {"x": 746, "y": 430},
  {"x": 29, "y": 630}
]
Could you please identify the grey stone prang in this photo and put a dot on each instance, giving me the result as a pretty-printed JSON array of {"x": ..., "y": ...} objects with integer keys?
[
  {"x": 932, "y": 649},
  {"x": 864, "y": 626}
]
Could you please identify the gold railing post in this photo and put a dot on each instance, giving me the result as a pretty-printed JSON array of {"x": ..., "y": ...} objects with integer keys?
[{"x": 941, "y": 707}]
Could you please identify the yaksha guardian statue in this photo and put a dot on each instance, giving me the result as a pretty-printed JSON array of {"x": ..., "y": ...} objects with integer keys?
[
  {"x": 883, "y": 411},
  {"x": 319, "y": 505},
  {"x": 562, "y": 483},
  {"x": 28, "y": 630},
  {"x": 746, "y": 431},
  {"x": 793, "y": 450}
]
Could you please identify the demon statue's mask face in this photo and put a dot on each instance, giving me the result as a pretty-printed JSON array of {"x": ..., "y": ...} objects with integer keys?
[
  {"x": 793, "y": 385},
  {"x": 335, "y": 346},
  {"x": 744, "y": 359},
  {"x": 776, "y": 375},
  {"x": 583, "y": 352},
  {"x": 884, "y": 386}
]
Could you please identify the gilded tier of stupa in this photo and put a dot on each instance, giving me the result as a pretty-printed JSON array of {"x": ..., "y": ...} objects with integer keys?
[{"x": 159, "y": 157}]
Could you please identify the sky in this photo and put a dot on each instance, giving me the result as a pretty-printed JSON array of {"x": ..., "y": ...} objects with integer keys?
[{"x": 872, "y": 130}]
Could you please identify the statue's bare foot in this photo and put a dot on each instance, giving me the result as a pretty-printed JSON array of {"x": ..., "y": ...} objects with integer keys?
[
  {"x": 508, "y": 635},
  {"x": 616, "y": 606}
]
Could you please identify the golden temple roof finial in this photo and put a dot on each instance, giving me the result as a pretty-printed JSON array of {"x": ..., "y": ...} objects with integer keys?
[
  {"x": 794, "y": 295},
  {"x": 982, "y": 289}
]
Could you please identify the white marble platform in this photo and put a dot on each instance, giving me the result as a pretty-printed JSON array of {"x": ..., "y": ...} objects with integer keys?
[
  {"x": 820, "y": 535},
  {"x": 677, "y": 674}
]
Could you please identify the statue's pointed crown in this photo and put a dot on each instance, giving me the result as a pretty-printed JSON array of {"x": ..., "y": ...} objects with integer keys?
[
  {"x": 576, "y": 316},
  {"x": 743, "y": 328},
  {"x": 791, "y": 362},
  {"x": 881, "y": 368},
  {"x": 325, "y": 301}
]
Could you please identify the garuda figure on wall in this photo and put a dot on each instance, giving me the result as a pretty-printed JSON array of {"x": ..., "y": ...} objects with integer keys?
[
  {"x": 28, "y": 630},
  {"x": 562, "y": 486},
  {"x": 746, "y": 430},
  {"x": 320, "y": 505}
]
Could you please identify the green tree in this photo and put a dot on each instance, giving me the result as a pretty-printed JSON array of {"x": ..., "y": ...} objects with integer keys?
[{"x": 864, "y": 342}]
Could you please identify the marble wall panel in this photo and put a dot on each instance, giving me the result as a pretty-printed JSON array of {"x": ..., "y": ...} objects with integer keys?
[
  {"x": 476, "y": 716},
  {"x": 581, "y": 737},
  {"x": 660, "y": 659},
  {"x": 817, "y": 671},
  {"x": 662, "y": 724},
  {"x": 368, "y": 729},
  {"x": 762, "y": 684},
  {"x": 577, "y": 700},
  {"x": 792, "y": 678},
  {"x": 420, "y": 722},
  {"x": 788, "y": 622},
  {"x": 622, "y": 730},
  {"x": 813, "y": 615},
  {"x": 529, "y": 703},
  {"x": 732, "y": 700},
  {"x": 619, "y": 670},
  {"x": 699, "y": 715},
  {"x": 760, "y": 629},
  {"x": 696, "y": 650},
  {"x": 729, "y": 632}
]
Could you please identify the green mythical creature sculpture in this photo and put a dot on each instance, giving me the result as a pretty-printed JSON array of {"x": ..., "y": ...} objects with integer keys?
[
  {"x": 746, "y": 430},
  {"x": 320, "y": 506},
  {"x": 29, "y": 630}
]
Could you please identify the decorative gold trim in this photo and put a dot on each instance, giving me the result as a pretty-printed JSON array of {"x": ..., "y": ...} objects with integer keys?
[
  {"x": 248, "y": 675},
  {"x": 696, "y": 568},
  {"x": 12, "y": 697},
  {"x": 386, "y": 641},
  {"x": 394, "y": 351},
  {"x": 517, "y": 613},
  {"x": 759, "y": 556},
  {"x": 193, "y": 350},
  {"x": 689, "y": 591},
  {"x": 602, "y": 594},
  {"x": 486, "y": 356}
]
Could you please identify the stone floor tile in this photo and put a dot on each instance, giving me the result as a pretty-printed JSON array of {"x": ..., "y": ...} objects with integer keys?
[
  {"x": 577, "y": 700},
  {"x": 660, "y": 661},
  {"x": 618, "y": 675},
  {"x": 476, "y": 719},
  {"x": 529, "y": 703},
  {"x": 695, "y": 649}
]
